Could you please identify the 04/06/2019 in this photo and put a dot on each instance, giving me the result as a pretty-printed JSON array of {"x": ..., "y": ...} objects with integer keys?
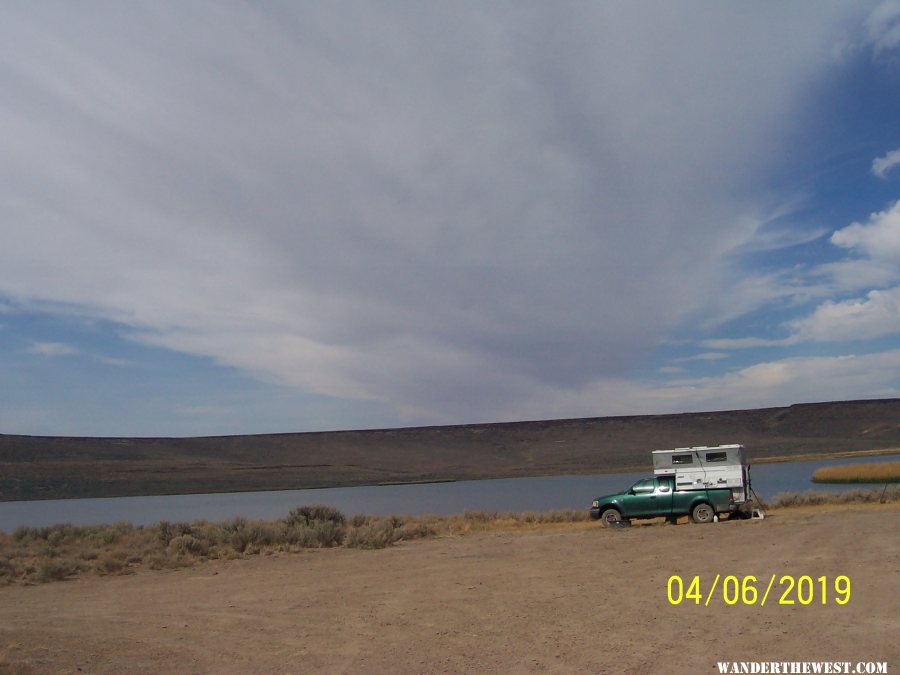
[{"x": 748, "y": 590}]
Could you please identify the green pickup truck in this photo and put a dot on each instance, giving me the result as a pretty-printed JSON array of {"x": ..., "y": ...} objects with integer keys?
[{"x": 657, "y": 497}]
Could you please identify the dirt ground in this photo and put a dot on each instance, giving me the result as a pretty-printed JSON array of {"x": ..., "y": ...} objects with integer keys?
[{"x": 575, "y": 598}]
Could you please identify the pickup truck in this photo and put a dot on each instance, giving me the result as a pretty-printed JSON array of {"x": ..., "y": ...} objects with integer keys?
[{"x": 657, "y": 497}]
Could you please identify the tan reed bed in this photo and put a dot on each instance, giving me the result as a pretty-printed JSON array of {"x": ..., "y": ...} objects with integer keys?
[{"x": 876, "y": 472}]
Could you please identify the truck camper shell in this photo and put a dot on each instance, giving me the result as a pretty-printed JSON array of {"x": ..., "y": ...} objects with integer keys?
[{"x": 704, "y": 467}]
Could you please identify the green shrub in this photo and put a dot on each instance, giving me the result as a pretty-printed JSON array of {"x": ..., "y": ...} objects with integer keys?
[
  {"x": 23, "y": 533},
  {"x": 56, "y": 570},
  {"x": 373, "y": 534},
  {"x": 106, "y": 535},
  {"x": 112, "y": 563},
  {"x": 7, "y": 571},
  {"x": 249, "y": 537},
  {"x": 187, "y": 544},
  {"x": 479, "y": 516},
  {"x": 315, "y": 526},
  {"x": 360, "y": 519},
  {"x": 307, "y": 515}
]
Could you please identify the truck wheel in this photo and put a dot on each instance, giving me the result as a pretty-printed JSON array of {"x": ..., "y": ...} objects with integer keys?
[
  {"x": 611, "y": 516},
  {"x": 702, "y": 513}
]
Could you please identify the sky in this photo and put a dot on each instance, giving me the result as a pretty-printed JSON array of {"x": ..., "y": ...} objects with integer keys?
[{"x": 228, "y": 217}]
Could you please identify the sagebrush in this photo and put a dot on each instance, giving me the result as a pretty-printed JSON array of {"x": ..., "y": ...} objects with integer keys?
[{"x": 41, "y": 554}]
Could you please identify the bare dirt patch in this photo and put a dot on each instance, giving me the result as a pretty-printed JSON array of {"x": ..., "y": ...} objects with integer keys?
[{"x": 563, "y": 598}]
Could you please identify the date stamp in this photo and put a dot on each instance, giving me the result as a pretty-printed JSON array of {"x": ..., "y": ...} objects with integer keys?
[{"x": 748, "y": 590}]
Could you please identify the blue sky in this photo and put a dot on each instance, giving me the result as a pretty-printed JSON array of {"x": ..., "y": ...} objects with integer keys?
[{"x": 219, "y": 218}]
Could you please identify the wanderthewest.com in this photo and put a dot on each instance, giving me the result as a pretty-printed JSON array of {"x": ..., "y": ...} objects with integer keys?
[{"x": 804, "y": 667}]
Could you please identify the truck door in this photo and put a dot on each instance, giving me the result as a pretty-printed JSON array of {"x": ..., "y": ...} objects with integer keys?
[{"x": 642, "y": 498}]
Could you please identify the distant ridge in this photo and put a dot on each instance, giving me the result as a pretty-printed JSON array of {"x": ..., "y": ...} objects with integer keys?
[{"x": 51, "y": 467}]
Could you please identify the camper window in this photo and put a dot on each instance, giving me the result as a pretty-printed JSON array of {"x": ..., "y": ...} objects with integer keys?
[
  {"x": 716, "y": 457},
  {"x": 682, "y": 459}
]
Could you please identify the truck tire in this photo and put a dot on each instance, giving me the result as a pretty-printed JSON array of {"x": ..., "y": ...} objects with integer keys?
[
  {"x": 702, "y": 513},
  {"x": 610, "y": 516}
]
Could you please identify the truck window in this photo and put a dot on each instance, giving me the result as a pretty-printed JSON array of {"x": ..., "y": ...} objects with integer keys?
[
  {"x": 716, "y": 457},
  {"x": 644, "y": 487},
  {"x": 682, "y": 459}
]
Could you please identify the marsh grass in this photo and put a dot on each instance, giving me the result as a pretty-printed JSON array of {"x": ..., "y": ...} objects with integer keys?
[{"x": 876, "y": 472}]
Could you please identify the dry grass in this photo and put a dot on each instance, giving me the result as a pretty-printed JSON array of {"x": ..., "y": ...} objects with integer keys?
[
  {"x": 814, "y": 498},
  {"x": 879, "y": 472},
  {"x": 32, "y": 555}
]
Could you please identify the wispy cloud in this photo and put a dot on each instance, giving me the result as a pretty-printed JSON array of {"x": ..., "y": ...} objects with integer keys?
[
  {"x": 705, "y": 356},
  {"x": 457, "y": 212},
  {"x": 52, "y": 349},
  {"x": 748, "y": 342},
  {"x": 883, "y": 26}
]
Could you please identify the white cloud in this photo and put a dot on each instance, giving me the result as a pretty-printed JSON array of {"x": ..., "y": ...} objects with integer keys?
[
  {"x": 52, "y": 349},
  {"x": 857, "y": 319},
  {"x": 454, "y": 210},
  {"x": 881, "y": 165},
  {"x": 879, "y": 238},
  {"x": 877, "y": 315}
]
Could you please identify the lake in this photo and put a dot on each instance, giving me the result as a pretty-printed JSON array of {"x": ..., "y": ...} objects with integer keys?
[{"x": 507, "y": 494}]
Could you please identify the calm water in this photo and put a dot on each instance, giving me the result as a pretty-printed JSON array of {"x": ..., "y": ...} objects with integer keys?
[{"x": 513, "y": 494}]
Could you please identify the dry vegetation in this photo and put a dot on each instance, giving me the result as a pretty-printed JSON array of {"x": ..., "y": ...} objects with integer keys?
[
  {"x": 40, "y": 554},
  {"x": 31, "y": 555},
  {"x": 858, "y": 496},
  {"x": 881, "y": 472}
]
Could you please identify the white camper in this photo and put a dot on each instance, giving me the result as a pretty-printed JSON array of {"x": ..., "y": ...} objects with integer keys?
[{"x": 702, "y": 467}]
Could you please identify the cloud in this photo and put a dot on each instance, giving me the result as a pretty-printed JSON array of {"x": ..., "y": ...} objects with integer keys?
[
  {"x": 883, "y": 27},
  {"x": 748, "y": 342},
  {"x": 52, "y": 349},
  {"x": 704, "y": 356},
  {"x": 773, "y": 383},
  {"x": 456, "y": 210},
  {"x": 876, "y": 316},
  {"x": 879, "y": 239},
  {"x": 881, "y": 165},
  {"x": 786, "y": 381}
]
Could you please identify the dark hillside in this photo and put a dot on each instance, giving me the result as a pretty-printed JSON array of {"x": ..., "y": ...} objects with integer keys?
[{"x": 36, "y": 467}]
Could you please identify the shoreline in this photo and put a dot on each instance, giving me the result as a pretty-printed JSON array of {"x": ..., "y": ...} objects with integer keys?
[{"x": 639, "y": 468}]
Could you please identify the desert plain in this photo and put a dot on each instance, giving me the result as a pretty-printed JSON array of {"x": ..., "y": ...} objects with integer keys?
[{"x": 557, "y": 598}]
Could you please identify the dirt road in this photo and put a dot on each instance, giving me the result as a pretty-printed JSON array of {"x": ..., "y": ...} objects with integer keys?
[{"x": 577, "y": 598}]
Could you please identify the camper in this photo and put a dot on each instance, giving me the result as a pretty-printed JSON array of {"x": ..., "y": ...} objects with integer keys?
[
  {"x": 700, "y": 482},
  {"x": 704, "y": 467}
]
